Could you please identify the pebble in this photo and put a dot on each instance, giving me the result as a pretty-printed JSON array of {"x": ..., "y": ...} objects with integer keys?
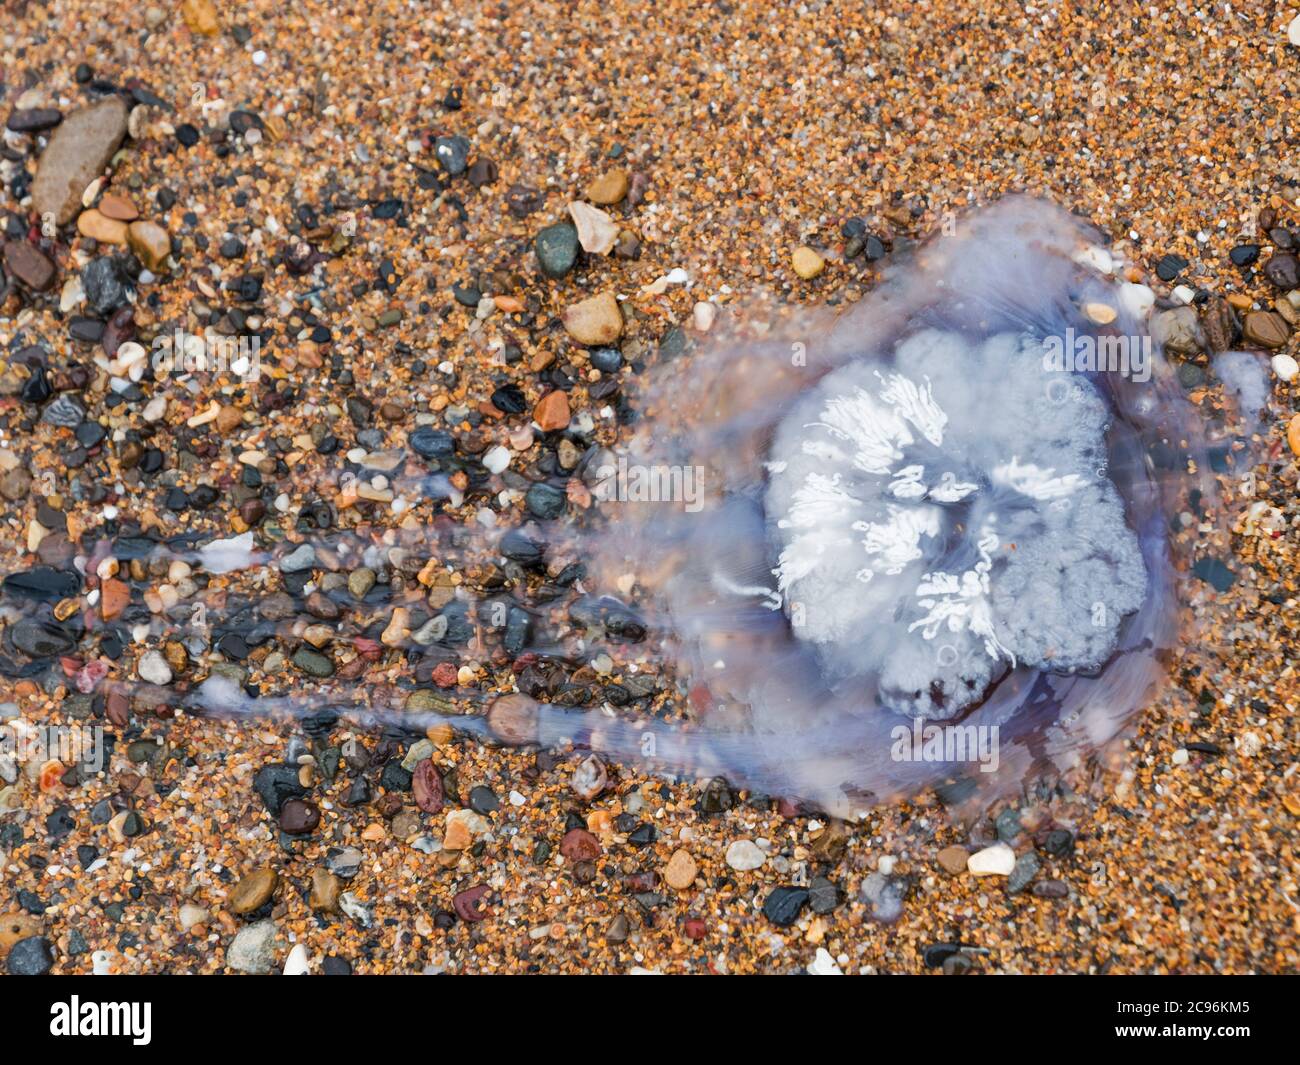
[
  {"x": 299, "y": 560},
  {"x": 610, "y": 188},
  {"x": 254, "y": 891},
  {"x": 589, "y": 778},
  {"x": 496, "y": 459},
  {"x": 33, "y": 119},
  {"x": 597, "y": 232},
  {"x": 579, "y": 845},
  {"x": 112, "y": 205},
  {"x": 1283, "y": 270},
  {"x": 101, "y": 228},
  {"x": 297, "y": 963},
  {"x": 596, "y": 322},
  {"x": 104, "y": 285},
  {"x": 253, "y": 948},
  {"x": 452, "y": 154},
  {"x": 29, "y": 265},
  {"x": 823, "y": 964},
  {"x": 76, "y": 155},
  {"x": 997, "y": 860},
  {"x": 1177, "y": 330},
  {"x": 1267, "y": 329},
  {"x": 1100, "y": 313},
  {"x": 1293, "y": 31},
  {"x": 952, "y": 860},
  {"x": 1136, "y": 299},
  {"x": 191, "y": 915},
  {"x": 1024, "y": 870},
  {"x": 784, "y": 904},
  {"x": 556, "y": 248},
  {"x": 681, "y": 870},
  {"x": 545, "y": 501},
  {"x": 513, "y": 719},
  {"x": 150, "y": 243},
  {"x": 552, "y": 411},
  {"x": 1285, "y": 367},
  {"x": 325, "y": 891},
  {"x": 744, "y": 855},
  {"x": 1293, "y": 434},
  {"x": 298, "y": 817},
  {"x": 153, "y": 668},
  {"x": 30, "y": 957},
  {"x": 807, "y": 263}
]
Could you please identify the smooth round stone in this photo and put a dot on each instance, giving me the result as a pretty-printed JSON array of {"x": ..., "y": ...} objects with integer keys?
[
  {"x": 607, "y": 360},
  {"x": 556, "y": 248},
  {"x": 807, "y": 263},
  {"x": 596, "y": 322},
  {"x": 610, "y": 188},
  {"x": 681, "y": 870},
  {"x": 298, "y": 817},
  {"x": 254, "y": 891},
  {"x": 744, "y": 855},
  {"x": 100, "y": 227},
  {"x": 952, "y": 860}
]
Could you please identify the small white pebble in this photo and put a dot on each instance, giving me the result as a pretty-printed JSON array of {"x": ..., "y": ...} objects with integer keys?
[
  {"x": 997, "y": 860},
  {"x": 1181, "y": 757},
  {"x": 1285, "y": 367}
]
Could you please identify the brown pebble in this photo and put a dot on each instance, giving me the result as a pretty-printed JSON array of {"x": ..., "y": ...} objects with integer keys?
[
  {"x": 513, "y": 719},
  {"x": 297, "y": 817},
  {"x": 254, "y": 891},
  {"x": 594, "y": 321},
  {"x": 579, "y": 845},
  {"x": 100, "y": 227},
  {"x": 29, "y": 265},
  {"x": 952, "y": 860},
  {"x": 14, "y": 927},
  {"x": 609, "y": 188},
  {"x": 150, "y": 243},
  {"x": 1267, "y": 329},
  {"x": 679, "y": 873},
  {"x": 229, "y": 419},
  {"x": 552, "y": 411},
  {"x": 325, "y": 891},
  {"x": 77, "y": 153},
  {"x": 111, "y": 205},
  {"x": 114, "y": 596}
]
